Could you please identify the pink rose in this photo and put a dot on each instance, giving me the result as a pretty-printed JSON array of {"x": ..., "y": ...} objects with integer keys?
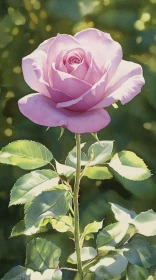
[{"x": 76, "y": 77}]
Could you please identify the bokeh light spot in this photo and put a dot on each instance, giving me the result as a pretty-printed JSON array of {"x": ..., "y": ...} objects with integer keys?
[
  {"x": 139, "y": 25},
  {"x": 48, "y": 27},
  {"x": 147, "y": 125},
  {"x": 17, "y": 70},
  {"x": 9, "y": 120},
  {"x": 18, "y": 18},
  {"x": 145, "y": 17},
  {"x": 15, "y": 31},
  {"x": 98, "y": 183},
  {"x": 27, "y": 5},
  {"x": 37, "y": 5},
  {"x": 8, "y": 132},
  {"x": 31, "y": 41},
  {"x": 43, "y": 14},
  {"x": 11, "y": 10},
  {"x": 34, "y": 18},
  {"x": 139, "y": 39},
  {"x": 10, "y": 94}
]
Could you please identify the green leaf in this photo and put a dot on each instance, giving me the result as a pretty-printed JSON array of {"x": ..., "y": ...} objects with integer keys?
[
  {"x": 92, "y": 228},
  {"x": 48, "y": 274},
  {"x": 87, "y": 253},
  {"x": 109, "y": 267},
  {"x": 98, "y": 172},
  {"x": 26, "y": 154},
  {"x": 31, "y": 185},
  {"x": 145, "y": 223},
  {"x": 130, "y": 166},
  {"x": 20, "y": 228},
  {"x": 42, "y": 254},
  {"x": 95, "y": 136},
  {"x": 56, "y": 275},
  {"x": 71, "y": 159},
  {"x": 151, "y": 278},
  {"x": 36, "y": 275},
  {"x": 63, "y": 224},
  {"x": 122, "y": 214},
  {"x": 4, "y": 158},
  {"x": 64, "y": 169},
  {"x": 89, "y": 276},
  {"x": 89, "y": 236},
  {"x": 100, "y": 152},
  {"x": 141, "y": 253},
  {"x": 47, "y": 205},
  {"x": 112, "y": 234},
  {"x": 18, "y": 272},
  {"x": 104, "y": 250},
  {"x": 135, "y": 272}
]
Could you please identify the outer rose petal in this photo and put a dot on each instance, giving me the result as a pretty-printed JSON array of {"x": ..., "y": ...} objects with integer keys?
[
  {"x": 57, "y": 95},
  {"x": 68, "y": 84},
  {"x": 126, "y": 84},
  {"x": 47, "y": 114},
  {"x": 46, "y": 44},
  {"x": 102, "y": 48},
  {"x": 32, "y": 73}
]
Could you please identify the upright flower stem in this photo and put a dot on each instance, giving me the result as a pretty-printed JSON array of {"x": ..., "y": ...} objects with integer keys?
[{"x": 76, "y": 207}]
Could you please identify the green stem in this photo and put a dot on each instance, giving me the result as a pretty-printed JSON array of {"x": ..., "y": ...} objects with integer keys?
[{"x": 76, "y": 208}]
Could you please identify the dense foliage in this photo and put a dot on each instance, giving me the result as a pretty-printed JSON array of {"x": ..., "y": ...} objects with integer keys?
[{"x": 25, "y": 24}]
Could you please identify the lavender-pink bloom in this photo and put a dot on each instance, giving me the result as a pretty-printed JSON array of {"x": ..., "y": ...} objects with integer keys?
[{"x": 76, "y": 77}]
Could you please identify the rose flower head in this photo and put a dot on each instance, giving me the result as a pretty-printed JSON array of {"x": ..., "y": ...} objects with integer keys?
[{"x": 75, "y": 77}]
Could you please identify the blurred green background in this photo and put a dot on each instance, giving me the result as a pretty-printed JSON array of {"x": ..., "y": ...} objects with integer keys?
[{"x": 24, "y": 24}]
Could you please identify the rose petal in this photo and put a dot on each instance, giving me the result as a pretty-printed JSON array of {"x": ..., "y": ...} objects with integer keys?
[
  {"x": 39, "y": 66},
  {"x": 30, "y": 70},
  {"x": 68, "y": 84},
  {"x": 80, "y": 70},
  {"x": 63, "y": 55},
  {"x": 126, "y": 84},
  {"x": 94, "y": 74},
  {"x": 47, "y": 114},
  {"x": 61, "y": 42},
  {"x": 102, "y": 48},
  {"x": 88, "y": 122},
  {"x": 32, "y": 67},
  {"x": 90, "y": 98},
  {"x": 58, "y": 96},
  {"x": 59, "y": 65},
  {"x": 44, "y": 46}
]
